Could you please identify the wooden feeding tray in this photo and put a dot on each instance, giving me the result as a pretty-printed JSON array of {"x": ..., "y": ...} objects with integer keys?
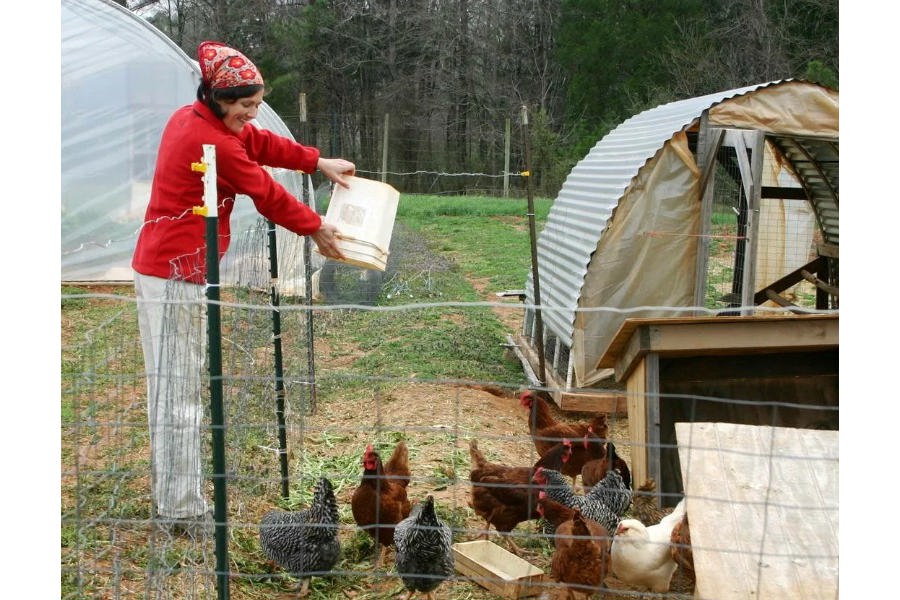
[{"x": 497, "y": 570}]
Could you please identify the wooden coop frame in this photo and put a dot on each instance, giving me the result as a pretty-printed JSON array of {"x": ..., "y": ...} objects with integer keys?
[{"x": 663, "y": 362}]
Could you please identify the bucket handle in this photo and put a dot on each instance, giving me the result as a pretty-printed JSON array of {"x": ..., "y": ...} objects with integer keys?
[{"x": 342, "y": 236}]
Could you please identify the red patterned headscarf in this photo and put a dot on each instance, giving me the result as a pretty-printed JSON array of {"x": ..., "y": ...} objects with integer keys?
[{"x": 224, "y": 67}]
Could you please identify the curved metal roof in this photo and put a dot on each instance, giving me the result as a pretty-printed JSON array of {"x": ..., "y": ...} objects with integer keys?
[{"x": 592, "y": 191}]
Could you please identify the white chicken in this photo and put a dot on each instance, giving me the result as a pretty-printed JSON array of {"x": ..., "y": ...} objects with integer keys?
[{"x": 641, "y": 556}]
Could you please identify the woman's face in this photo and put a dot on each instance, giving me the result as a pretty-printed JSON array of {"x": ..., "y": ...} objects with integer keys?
[{"x": 239, "y": 112}]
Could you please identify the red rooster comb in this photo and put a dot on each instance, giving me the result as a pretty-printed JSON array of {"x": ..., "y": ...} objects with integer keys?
[{"x": 525, "y": 399}]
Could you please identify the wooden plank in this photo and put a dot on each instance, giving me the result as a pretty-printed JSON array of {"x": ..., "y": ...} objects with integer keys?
[
  {"x": 763, "y": 508},
  {"x": 709, "y": 140},
  {"x": 717, "y": 335},
  {"x": 580, "y": 401},
  {"x": 757, "y": 143},
  {"x": 637, "y": 422},
  {"x": 611, "y": 403},
  {"x": 651, "y": 400}
]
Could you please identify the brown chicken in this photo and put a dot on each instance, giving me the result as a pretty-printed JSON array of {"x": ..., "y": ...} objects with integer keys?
[
  {"x": 547, "y": 431},
  {"x": 501, "y": 495},
  {"x": 552, "y": 511},
  {"x": 682, "y": 553},
  {"x": 380, "y": 501},
  {"x": 556, "y": 457},
  {"x": 581, "y": 558},
  {"x": 568, "y": 458},
  {"x": 595, "y": 469}
]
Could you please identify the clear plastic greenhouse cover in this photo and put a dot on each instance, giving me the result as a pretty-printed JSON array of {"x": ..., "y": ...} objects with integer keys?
[{"x": 121, "y": 80}]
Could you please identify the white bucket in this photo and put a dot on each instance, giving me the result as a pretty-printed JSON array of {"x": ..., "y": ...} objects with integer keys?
[{"x": 364, "y": 216}]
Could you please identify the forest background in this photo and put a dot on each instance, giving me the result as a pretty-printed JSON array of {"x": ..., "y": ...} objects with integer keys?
[{"x": 442, "y": 79}]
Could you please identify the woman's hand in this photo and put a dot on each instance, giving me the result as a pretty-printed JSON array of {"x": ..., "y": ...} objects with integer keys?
[
  {"x": 326, "y": 240},
  {"x": 335, "y": 169}
]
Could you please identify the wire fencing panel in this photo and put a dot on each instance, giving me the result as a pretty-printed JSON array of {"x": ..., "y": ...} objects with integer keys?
[{"x": 110, "y": 545}]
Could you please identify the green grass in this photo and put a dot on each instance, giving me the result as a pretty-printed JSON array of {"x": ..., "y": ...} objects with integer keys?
[{"x": 486, "y": 237}]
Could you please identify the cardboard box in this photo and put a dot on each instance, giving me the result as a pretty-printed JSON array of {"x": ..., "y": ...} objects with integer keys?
[{"x": 498, "y": 570}]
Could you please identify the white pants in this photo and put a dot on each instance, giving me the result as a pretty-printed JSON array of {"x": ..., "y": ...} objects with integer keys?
[{"x": 172, "y": 320}]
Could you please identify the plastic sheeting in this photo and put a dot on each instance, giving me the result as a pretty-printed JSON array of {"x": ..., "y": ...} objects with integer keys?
[
  {"x": 121, "y": 80},
  {"x": 646, "y": 256}
]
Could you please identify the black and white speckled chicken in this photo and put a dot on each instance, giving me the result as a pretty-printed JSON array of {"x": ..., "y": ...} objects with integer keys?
[
  {"x": 304, "y": 542},
  {"x": 644, "y": 507},
  {"x": 605, "y": 503},
  {"x": 424, "y": 552}
]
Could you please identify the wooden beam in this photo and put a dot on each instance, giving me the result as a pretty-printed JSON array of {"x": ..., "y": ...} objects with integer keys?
[
  {"x": 829, "y": 250},
  {"x": 637, "y": 422},
  {"x": 796, "y": 276},
  {"x": 819, "y": 283},
  {"x": 779, "y": 299},
  {"x": 607, "y": 402},
  {"x": 784, "y": 193},
  {"x": 717, "y": 336}
]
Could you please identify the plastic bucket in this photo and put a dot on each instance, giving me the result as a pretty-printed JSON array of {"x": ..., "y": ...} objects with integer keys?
[{"x": 364, "y": 216}]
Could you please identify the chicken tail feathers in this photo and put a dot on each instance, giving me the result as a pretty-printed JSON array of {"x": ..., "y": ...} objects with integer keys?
[
  {"x": 477, "y": 458},
  {"x": 398, "y": 464}
]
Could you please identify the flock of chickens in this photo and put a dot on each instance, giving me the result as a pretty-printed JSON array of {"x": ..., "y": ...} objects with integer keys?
[{"x": 591, "y": 536}]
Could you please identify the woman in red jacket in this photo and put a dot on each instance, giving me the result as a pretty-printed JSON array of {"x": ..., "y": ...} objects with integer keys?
[{"x": 170, "y": 258}]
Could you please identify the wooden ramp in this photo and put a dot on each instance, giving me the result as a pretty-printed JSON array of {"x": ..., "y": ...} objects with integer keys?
[{"x": 763, "y": 509}]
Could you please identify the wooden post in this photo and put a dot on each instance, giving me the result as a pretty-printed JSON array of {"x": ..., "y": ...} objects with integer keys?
[
  {"x": 708, "y": 144},
  {"x": 301, "y": 102},
  {"x": 506, "y": 159},
  {"x": 757, "y": 143}
]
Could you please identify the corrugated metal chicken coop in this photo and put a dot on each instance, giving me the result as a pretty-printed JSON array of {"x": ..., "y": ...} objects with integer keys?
[{"x": 720, "y": 205}]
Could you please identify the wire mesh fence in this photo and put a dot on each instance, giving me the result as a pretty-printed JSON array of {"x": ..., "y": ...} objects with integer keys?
[{"x": 338, "y": 395}]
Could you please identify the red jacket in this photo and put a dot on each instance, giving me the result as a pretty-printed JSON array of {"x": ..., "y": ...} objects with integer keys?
[{"x": 172, "y": 243}]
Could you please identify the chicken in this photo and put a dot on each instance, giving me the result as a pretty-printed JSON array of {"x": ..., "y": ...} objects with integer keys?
[
  {"x": 304, "y": 542},
  {"x": 546, "y": 430},
  {"x": 642, "y": 556},
  {"x": 589, "y": 448},
  {"x": 556, "y": 457},
  {"x": 580, "y": 560},
  {"x": 380, "y": 502},
  {"x": 682, "y": 553},
  {"x": 605, "y": 503},
  {"x": 644, "y": 507},
  {"x": 424, "y": 549},
  {"x": 595, "y": 469},
  {"x": 503, "y": 496}
]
